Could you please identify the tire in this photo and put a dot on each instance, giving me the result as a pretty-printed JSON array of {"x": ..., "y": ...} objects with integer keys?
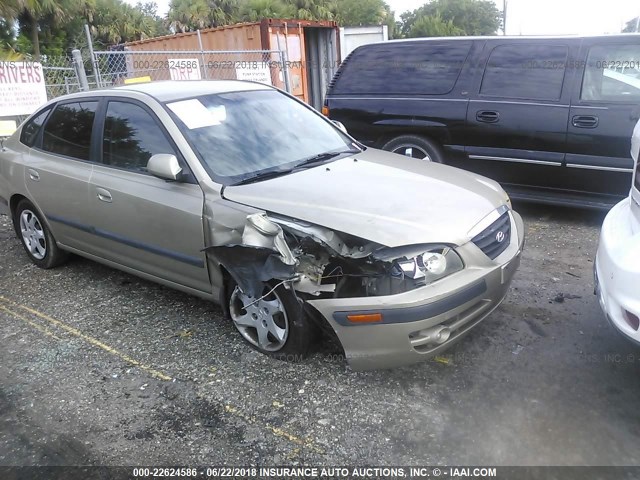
[
  {"x": 36, "y": 238},
  {"x": 416, "y": 147},
  {"x": 257, "y": 323}
]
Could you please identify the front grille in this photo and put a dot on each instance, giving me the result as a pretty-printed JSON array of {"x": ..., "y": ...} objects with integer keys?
[{"x": 494, "y": 239}]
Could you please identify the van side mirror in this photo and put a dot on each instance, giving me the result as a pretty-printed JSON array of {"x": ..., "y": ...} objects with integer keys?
[
  {"x": 164, "y": 165},
  {"x": 340, "y": 126}
]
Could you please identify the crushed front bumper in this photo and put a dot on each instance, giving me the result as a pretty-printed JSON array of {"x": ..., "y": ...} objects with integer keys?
[{"x": 456, "y": 303}]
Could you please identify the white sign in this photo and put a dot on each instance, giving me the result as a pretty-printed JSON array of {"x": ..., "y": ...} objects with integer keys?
[
  {"x": 184, "y": 69},
  {"x": 195, "y": 115},
  {"x": 22, "y": 88},
  {"x": 260, "y": 74}
]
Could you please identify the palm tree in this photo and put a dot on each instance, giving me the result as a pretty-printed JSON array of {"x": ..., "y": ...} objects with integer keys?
[
  {"x": 31, "y": 11},
  {"x": 187, "y": 15}
]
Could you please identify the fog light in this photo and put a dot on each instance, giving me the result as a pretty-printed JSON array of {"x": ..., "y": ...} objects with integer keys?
[
  {"x": 632, "y": 320},
  {"x": 432, "y": 262}
]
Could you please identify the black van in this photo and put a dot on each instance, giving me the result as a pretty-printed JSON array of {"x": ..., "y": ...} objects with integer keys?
[{"x": 549, "y": 117}]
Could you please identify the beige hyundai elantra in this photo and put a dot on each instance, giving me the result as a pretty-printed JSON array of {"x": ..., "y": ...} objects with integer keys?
[{"x": 238, "y": 193}]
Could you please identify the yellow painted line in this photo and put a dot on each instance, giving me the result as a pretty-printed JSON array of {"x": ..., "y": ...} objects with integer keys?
[
  {"x": 42, "y": 329},
  {"x": 306, "y": 443},
  {"x": 275, "y": 430},
  {"x": 93, "y": 341}
]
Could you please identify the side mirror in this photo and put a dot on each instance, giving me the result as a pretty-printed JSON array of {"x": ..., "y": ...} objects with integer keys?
[
  {"x": 164, "y": 165},
  {"x": 340, "y": 126}
]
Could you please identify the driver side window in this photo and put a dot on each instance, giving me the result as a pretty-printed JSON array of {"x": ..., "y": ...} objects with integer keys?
[{"x": 131, "y": 137}]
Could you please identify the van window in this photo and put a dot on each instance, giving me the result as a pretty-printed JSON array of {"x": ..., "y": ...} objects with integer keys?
[
  {"x": 414, "y": 68},
  {"x": 525, "y": 71},
  {"x": 612, "y": 74}
]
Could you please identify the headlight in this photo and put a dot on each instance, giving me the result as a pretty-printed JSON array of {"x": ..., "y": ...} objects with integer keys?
[{"x": 431, "y": 265}]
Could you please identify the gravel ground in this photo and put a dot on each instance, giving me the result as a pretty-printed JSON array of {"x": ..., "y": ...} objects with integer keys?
[{"x": 99, "y": 367}]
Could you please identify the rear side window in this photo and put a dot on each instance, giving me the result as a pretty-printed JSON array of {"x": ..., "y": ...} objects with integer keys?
[
  {"x": 29, "y": 134},
  {"x": 68, "y": 130},
  {"x": 416, "y": 68},
  {"x": 131, "y": 137},
  {"x": 525, "y": 71},
  {"x": 612, "y": 74}
]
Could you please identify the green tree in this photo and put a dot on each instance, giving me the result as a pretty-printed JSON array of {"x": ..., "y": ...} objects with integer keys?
[
  {"x": 254, "y": 10},
  {"x": 189, "y": 15},
  {"x": 362, "y": 12},
  {"x": 472, "y": 17},
  {"x": 434, "y": 26},
  {"x": 114, "y": 22},
  {"x": 631, "y": 26},
  {"x": 312, "y": 9}
]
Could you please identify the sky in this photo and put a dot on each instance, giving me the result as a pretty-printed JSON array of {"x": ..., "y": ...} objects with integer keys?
[{"x": 539, "y": 17}]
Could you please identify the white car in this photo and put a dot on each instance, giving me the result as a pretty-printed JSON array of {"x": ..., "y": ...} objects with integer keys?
[{"x": 617, "y": 265}]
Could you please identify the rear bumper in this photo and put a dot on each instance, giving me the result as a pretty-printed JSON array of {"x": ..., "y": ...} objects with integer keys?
[
  {"x": 617, "y": 269},
  {"x": 456, "y": 303}
]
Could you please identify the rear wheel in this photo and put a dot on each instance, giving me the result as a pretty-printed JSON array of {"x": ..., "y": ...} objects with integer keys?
[
  {"x": 415, "y": 146},
  {"x": 274, "y": 323},
  {"x": 36, "y": 238}
]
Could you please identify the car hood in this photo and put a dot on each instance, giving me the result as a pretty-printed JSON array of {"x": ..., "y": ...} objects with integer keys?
[{"x": 379, "y": 196}]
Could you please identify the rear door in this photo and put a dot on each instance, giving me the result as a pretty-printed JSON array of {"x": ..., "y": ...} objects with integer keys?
[
  {"x": 60, "y": 166},
  {"x": 605, "y": 107},
  {"x": 518, "y": 111},
  {"x": 141, "y": 221}
]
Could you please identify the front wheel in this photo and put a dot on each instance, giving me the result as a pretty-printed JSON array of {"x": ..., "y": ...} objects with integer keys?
[
  {"x": 415, "y": 147},
  {"x": 36, "y": 238},
  {"x": 274, "y": 323}
]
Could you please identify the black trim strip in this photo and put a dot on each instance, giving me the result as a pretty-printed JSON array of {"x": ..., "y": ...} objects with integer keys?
[
  {"x": 420, "y": 312},
  {"x": 195, "y": 261}
]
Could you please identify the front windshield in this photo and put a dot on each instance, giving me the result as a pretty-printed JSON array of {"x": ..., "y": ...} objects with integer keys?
[{"x": 242, "y": 134}]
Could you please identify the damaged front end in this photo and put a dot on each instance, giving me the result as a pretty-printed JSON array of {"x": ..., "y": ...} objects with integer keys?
[{"x": 317, "y": 262}]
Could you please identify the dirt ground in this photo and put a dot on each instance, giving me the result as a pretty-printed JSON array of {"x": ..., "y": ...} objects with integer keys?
[{"x": 100, "y": 368}]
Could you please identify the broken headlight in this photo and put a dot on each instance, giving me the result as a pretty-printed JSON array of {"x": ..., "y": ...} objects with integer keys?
[{"x": 431, "y": 265}]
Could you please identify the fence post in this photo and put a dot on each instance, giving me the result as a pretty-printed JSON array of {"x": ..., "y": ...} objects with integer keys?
[
  {"x": 94, "y": 61},
  {"x": 204, "y": 66},
  {"x": 78, "y": 64},
  {"x": 285, "y": 67}
]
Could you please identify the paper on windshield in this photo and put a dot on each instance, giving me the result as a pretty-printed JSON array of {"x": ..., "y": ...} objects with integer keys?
[{"x": 195, "y": 115}]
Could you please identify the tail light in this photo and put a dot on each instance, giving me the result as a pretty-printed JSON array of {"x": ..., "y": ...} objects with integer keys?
[{"x": 325, "y": 110}]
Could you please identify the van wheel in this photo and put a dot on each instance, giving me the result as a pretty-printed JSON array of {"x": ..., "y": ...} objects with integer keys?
[
  {"x": 273, "y": 324},
  {"x": 36, "y": 238},
  {"x": 415, "y": 147}
]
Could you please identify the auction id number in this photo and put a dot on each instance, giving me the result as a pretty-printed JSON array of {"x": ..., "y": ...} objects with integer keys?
[{"x": 165, "y": 472}]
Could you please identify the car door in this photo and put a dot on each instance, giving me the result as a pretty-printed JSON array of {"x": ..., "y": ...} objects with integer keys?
[
  {"x": 143, "y": 222},
  {"x": 517, "y": 113},
  {"x": 605, "y": 107},
  {"x": 60, "y": 164}
]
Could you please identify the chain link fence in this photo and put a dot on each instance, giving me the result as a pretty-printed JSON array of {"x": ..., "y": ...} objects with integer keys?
[
  {"x": 103, "y": 69},
  {"x": 122, "y": 67}
]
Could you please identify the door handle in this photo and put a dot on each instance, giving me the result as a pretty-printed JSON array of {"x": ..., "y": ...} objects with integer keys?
[
  {"x": 104, "y": 195},
  {"x": 487, "y": 116},
  {"x": 585, "y": 121},
  {"x": 34, "y": 175}
]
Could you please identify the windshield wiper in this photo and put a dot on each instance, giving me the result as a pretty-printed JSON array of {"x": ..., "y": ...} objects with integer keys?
[
  {"x": 323, "y": 157},
  {"x": 306, "y": 163},
  {"x": 261, "y": 176}
]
